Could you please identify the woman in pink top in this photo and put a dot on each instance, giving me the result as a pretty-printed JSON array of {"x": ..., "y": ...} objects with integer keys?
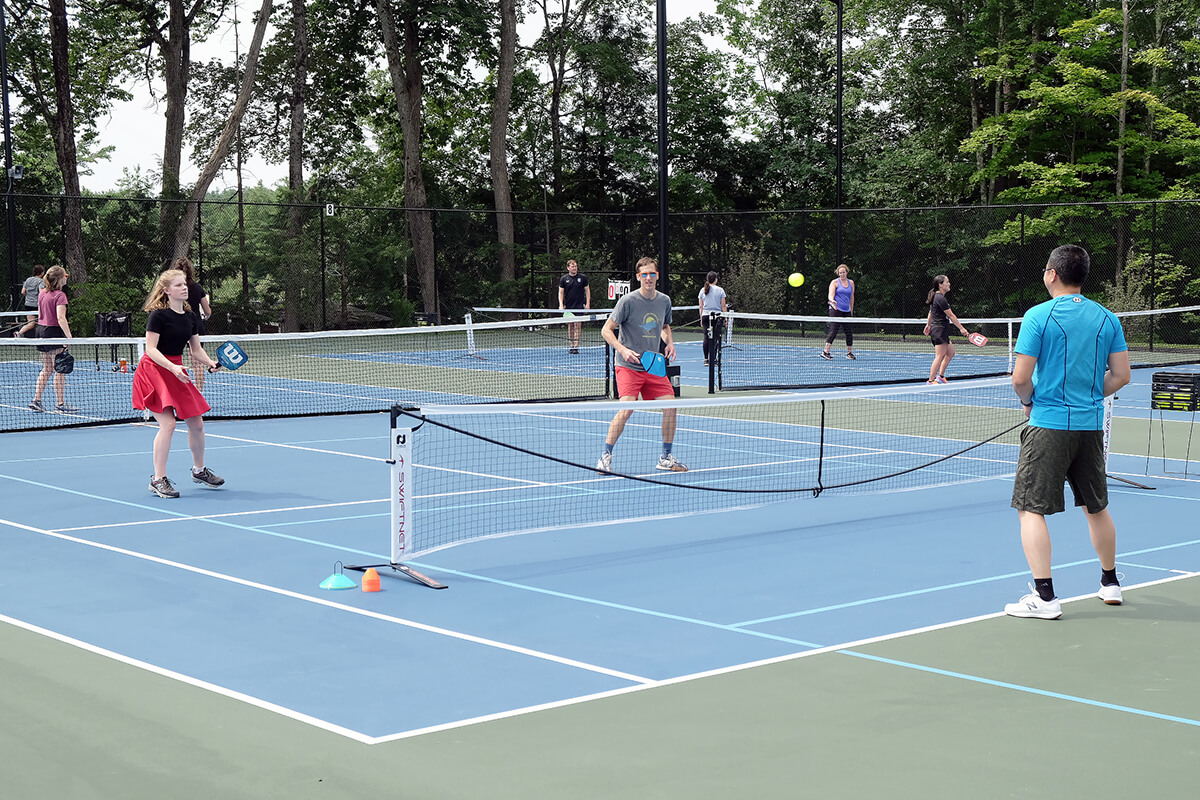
[{"x": 52, "y": 324}]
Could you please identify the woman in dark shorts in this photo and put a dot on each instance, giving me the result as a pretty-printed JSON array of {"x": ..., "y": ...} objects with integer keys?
[
  {"x": 937, "y": 327},
  {"x": 162, "y": 386},
  {"x": 52, "y": 324}
]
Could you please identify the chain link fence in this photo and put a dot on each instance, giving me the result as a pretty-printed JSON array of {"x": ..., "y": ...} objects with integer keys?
[{"x": 316, "y": 266}]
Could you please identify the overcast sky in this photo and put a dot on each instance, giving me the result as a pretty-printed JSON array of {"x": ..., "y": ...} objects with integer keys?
[{"x": 135, "y": 129}]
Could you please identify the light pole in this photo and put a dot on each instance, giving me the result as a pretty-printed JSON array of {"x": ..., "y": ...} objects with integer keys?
[
  {"x": 664, "y": 281},
  {"x": 838, "y": 144},
  {"x": 10, "y": 212}
]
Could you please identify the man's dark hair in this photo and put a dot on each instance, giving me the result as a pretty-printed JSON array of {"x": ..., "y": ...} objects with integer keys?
[{"x": 1071, "y": 262}]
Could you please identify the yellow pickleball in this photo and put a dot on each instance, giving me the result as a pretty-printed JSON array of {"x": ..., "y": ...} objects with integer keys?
[{"x": 796, "y": 279}]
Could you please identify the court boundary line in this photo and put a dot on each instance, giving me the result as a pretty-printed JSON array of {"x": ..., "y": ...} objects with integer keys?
[
  {"x": 837, "y": 648},
  {"x": 319, "y": 601}
]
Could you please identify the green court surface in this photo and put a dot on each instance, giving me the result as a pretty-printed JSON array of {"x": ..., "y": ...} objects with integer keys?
[{"x": 1102, "y": 703}]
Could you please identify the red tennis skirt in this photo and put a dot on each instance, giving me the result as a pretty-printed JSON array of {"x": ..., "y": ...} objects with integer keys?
[{"x": 155, "y": 389}]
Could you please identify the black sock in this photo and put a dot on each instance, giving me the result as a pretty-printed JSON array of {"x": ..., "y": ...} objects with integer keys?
[
  {"x": 1044, "y": 587},
  {"x": 1108, "y": 577}
]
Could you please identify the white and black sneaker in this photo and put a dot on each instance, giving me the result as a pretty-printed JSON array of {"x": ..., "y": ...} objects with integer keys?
[
  {"x": 1032, "y": 606},
  {"x": 206, "y": 477},
  {"x": 669, "y": 463},
  {"x": 604, "y": 465},
  {"x": 36, "y": 405},
  {"x": 826, "y": 356},
  {"x": 163, "y": 488}
]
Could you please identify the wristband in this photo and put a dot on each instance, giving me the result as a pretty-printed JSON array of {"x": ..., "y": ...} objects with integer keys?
[{"x": 1027, "y": 405}]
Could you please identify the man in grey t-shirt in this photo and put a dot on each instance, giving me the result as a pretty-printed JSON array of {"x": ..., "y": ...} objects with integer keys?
[{"x": 639, "y": 322}]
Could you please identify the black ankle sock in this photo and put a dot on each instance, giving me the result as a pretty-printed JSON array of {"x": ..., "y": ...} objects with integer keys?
[
  {"x": 1044, "y": 587},
  {"x": 1108, "y": 577}
]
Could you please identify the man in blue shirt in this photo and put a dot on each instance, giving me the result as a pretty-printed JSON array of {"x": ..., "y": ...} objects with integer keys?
[{"x": 1071, "y": 354}]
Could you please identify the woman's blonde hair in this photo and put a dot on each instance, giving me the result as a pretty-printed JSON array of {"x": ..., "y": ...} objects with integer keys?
[
  {"x": 158, "y": 295},
  {"x": 55, "y": 278}
]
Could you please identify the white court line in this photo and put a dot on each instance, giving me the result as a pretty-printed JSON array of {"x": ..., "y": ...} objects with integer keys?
[
  {"x": 266, "y": 705},
  {"x": 294, "y": 447},
  {"x": 746, "y": 666},
  {"x": 218, "y": 516},
  {"x": 407, "y": 623}
]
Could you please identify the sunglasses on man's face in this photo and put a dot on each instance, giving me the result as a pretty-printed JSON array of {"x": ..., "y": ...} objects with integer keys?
[{"x": 649, "y": 275}]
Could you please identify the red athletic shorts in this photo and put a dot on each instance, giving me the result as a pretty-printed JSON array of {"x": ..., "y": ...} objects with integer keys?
[{"x": 632, "y": 382}]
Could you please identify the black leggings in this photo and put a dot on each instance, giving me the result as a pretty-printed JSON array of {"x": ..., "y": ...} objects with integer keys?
[
  {"x": 717, "y": 324},
  {"x": 832, "y": 327}
]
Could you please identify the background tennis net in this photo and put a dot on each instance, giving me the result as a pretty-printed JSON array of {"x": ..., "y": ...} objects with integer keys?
[
  {"x": 332, "y": 372},
  {"x": 488, "y": 471},
  {"x": 774, "y": 351}
]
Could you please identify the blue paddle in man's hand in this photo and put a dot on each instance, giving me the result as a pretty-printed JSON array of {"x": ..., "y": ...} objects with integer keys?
[{"x": 654, "y": 363}]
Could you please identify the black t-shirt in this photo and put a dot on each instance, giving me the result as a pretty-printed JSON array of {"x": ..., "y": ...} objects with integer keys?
[
  {"x": 938, "y": 309},
  {"x": 174, "y": 330},
  {"x": 574, "y": 290}
]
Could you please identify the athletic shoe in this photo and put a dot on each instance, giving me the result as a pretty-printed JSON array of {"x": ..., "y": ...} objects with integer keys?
[
  {"x": 826, "y": 356},
  {"x": 670, "y": 463},
  {"x": 206, "y": 477},
  {"x": 574, "y": 351},
  {"x": 931, "y": 383},
  {"x": 1110, "y": 594},
  {"x": 940, "y": 379},
  {"x": 163, "y": 488},
  {"x": 65, "y": 408},
  {"x": 706, "y": 362},
  {"x": 36, "y": 405},
  {"x": 851, "y": 356},
  {"x": 1032, "y": 606},
  {"x": 604, "y": 465}
]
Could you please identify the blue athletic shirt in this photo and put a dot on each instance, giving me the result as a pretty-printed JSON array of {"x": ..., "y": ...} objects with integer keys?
[{"x": 1071, "y": 337}]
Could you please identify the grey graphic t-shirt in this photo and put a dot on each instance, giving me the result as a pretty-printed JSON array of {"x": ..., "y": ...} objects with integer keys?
[{"x": 640, "y": 323}]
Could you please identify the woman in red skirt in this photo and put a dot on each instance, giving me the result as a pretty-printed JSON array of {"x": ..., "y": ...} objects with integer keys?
[{"x": 161, "y": 384}]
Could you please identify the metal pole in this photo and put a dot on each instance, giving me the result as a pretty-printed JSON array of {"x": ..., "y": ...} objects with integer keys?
[
  {"x": 10, "y": 211},
  {"x": 838, "y": 149},
  {"x": 664, "y": 280}
]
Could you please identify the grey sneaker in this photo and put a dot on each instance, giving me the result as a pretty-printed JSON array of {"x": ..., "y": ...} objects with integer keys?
[
  {"x": 36, "y": 405},
  {"x": 163, "y": 488},
  {"x": 604, "y": 465},
  {"x": 1032, "y": 606},
  {"x": 670, "y": 463},
  {"x": 65, "y": 408},
  {"x": 206, "y": 477},
  {"x": 826, "y": 356}
]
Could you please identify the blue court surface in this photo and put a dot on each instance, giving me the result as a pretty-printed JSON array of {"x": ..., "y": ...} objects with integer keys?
[{"x": 220, "y": 588}]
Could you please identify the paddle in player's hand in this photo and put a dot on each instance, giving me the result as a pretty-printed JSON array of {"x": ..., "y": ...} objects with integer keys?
[{"x": 977, "y": 339}]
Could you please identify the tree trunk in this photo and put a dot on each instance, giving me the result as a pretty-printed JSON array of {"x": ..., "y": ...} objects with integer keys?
[
  {"x": 187, "y": 225},
  {"x": 405, "y": 69},
  {"x": 295, "y": 226},
  {"x": 1122, "y": 221},
  {"x": 63, "y": 127},
  {"x": 499, "y": 142},
  {"x": 176, "y": 53}
]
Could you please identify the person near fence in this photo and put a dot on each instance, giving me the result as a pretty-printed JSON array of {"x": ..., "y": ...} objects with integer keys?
[
  {"x": 52, "y": 324},
  {"x": 937, "y": 328},
  {"x": 712, "y": 301},
  {"x": 574, "y": 293},
  {"x": 841, "y": 305},
  {"x": 30, "y": 290},
  {"x": 639, "y": 322},
  {"x": 162, "y": 386},
  {"x": 1070, "y": 355},
  {"x": 198, "y": 301}
]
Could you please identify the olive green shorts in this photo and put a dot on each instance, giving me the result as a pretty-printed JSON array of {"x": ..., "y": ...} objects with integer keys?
[{"x": 1048, "y": 457}]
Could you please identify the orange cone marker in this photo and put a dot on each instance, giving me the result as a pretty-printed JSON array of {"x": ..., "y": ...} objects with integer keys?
[{"x": 370, "y": 581}]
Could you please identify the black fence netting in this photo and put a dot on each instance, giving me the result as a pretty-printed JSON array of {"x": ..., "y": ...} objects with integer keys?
[{"x": 318, "y": 266}]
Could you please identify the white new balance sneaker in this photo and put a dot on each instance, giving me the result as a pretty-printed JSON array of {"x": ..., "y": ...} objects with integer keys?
[{"x": 1032, "y": 606}]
